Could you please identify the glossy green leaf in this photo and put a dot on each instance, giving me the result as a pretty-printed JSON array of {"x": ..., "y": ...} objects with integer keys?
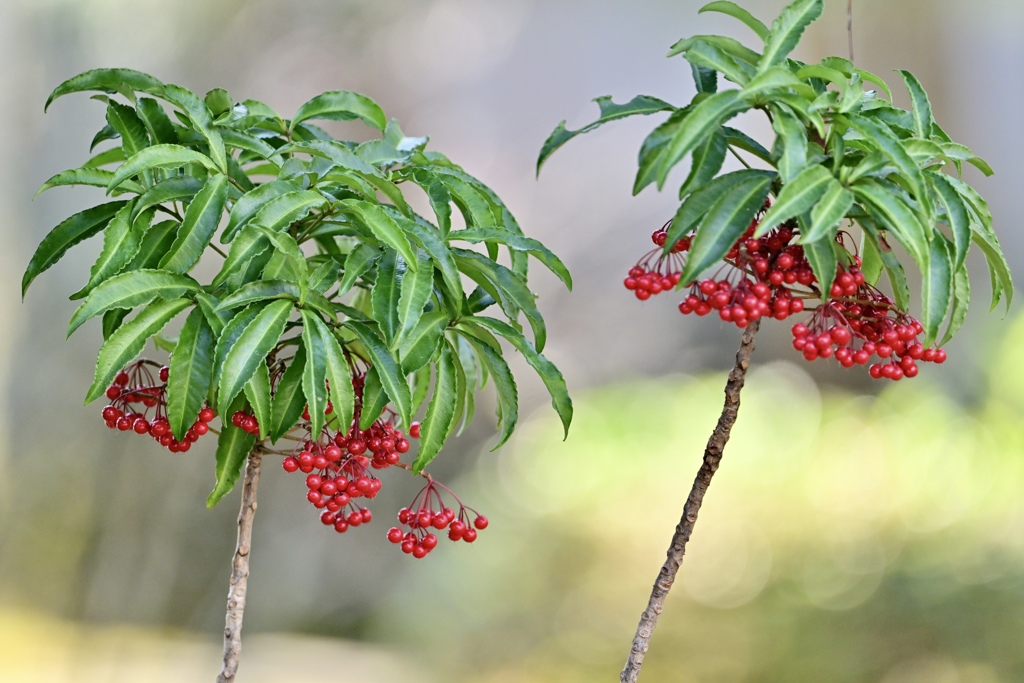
[
  {"x": 887, "y": 142},
  {"x": 391, "y": 375},
  {"x": 701, "y": 51},
  {"x": 153, "y": 116},
  {"x": 191, "y": 372},
  {"x": 131, "y": 289},
  {"x": 830, "y": 210},
  {"x": 708, "y": 158},
  {"x": 786, "y": 31},
  {"x": 70, "y": 232},
  {"x": 424, "y": 236},
  {"x": 250, "y": 203},
  {"x": 106, "y": 80},
  {"x": 341, "y": 105},
  {"x": 289, "y": 399},
  {"x": 202, "y": 121},
  {"x": 215, "y": 318},
  {"x": 254, "y": 343},
  {"x": 439, "y": 197},
  {"x": 517, "y": 243},
  {"x": 797, "y": 196},
  {"x": 822, "y": 257},
  {"x": 741, "y": 140},
  {"x": 233, "y": 448},
  {"x": 358, "y": 262},
  {"x": 324, "y": 277},
  {"x": 375, "y": 399},
  {"x": 381, "y": 226},
  {"x": 895, "y": 215},
  {"x": 734, "y": 10},
  {"x": 419, "y": 344},
  {"x": 871, "y": 259},
  {"x": 961, "y": 300},
  {"x": 415, "y": 290},
  {"x": 654, "y": 148},
  {"x": 257, "y": 392},
  {"x": 314, "y": 376},
  {"x": 122, "y": 240},
  {"x": 724, "y": 223},
  {"x": 176, "y": 189},
  {"x": 249, "y": 245},
  {"x": 999, "y": 269},
  {"x": 260, "y": 290},
  {"x": 439, "y": 421},
  {"x": 125, "y": 344},
  {"x": 200, "y": 222},
  {"x": 704, "y": 79},
  {"x": 94, "y": 177},
  {"x": 936, "y": 287},
  {"x": 505, "y": 388},
  {"x": 386, "y": 290},
  {"x": 123, "y": 119},
  {"x": 609, "y": 111},
  {"x": 158, "y": 156},
  {"x": 706, "y": 116},
  {"x": 956, "y": 217},
  {"x": 922, "y": 108},
  {"x": 791, "y": 142},
  {"x": 337, "y": 370},
  {"x": 697, "y": 205}
]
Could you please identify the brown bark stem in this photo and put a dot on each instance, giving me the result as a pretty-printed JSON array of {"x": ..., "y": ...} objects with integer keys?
[
  {"x": 240, "y": 570},
  {"x": 712, "y": 458}
]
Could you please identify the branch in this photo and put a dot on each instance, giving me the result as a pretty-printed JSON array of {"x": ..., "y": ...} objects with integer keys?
[
  {"x": 712, "y": 458},
  {"x": 240, "y": 570}
]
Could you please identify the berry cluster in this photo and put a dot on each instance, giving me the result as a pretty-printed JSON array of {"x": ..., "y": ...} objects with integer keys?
[
  {"x": 246, "y": 422},
  {"x": 770, "y": 276},
  {"x": 429, "y": 511},
  {"x": 138, "y": 403}
]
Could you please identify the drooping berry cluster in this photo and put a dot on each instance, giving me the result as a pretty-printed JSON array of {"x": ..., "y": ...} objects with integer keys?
[
  {"x": 247, "y": 422},
  {"x": 770, "y": 276},
  {"x": 138, "y": 403},
  {"x": 428, "y": 511}
]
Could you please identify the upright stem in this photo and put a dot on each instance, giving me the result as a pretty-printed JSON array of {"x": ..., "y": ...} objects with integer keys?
[
  {"x": 240, "y": 570},
  {"x": 712, "y": 457},
  {"x": 849, "y": 25}
]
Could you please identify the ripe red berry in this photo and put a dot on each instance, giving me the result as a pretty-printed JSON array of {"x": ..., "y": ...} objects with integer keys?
[
  {"x": 207, "y": 415},
  {"x": 290, "y": 464}
]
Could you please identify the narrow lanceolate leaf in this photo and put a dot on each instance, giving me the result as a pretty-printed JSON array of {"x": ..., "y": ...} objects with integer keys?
[
  {"x": 161, "y": 130},
  {"x": 420, "y": 344},
  {"x": 202, "y": 121},
  {"x": 416, "y": 288},
  {"x": 159, "y": 156},
  {"x": 375, "y": 399},
  {"x": 251, "y": 202},
  {"x": 122, "y": 240},
  {"x": 724, "y": 223},
  {"x": 922, "y": 108},
  {"x": 708, "y": 158},
  {"x": 871, "y": 259},
  {"x": 289, "y": 400},
  {"x": 131, "y": 289},
  {"x": 440, "y": 418},
  {"x": 426, "y": 237},
  {"x": 641, "y": 104},
  {"x": 887, "y": 142},
  {"x": 830, "y": 210},
  {"x": 260, "y": 290},
  {"x": 734, "y": 10},
  {"x": 357, "y": 263},
  {"x": 199, "y": 224},
  {"x": 391, "y": 375},
  {"x": 654, "y": 147},
  {"x": 217, "y": 319},
  {"x": 73, "y": 230},
  {"x": 439, "y": 197},
  {"x": 280, "y": 212},
  {"x": 517, "y": 243},
  {"x": 341, "y": 105},
  {"x": 127, "y": 342},
  {"x": 254, "y": 343},
  {"x": 191, "y": 371},
  {"x": 257, "y": 391},
  {"x": 797, "y": 196},
  {"x": 339, "y": 374},
  {"x": 696, "y": 206},
  {"x": 703, "y": 52},
  {"x": 381, "y": 226},
  {"x": 546, "y": 370},
  {"x": 157, "y": 240},
  {"x": 999, "y": 269},
  {"x": 94, "y": 177},
  {"x": 791, "y": 143},
  {"x": 936, "y": 287},
  {"x": 226, "y": 340},
  {"x": 822, "y": 257},
  {"x": 177, "y": 189},
  {"x": 956, "y": 217},
  {"x": 314, "y": 376},
  {"x": 386, "y": 290},
  {"x": 233, "y": 446},
  {"x": 249, "y": 245},
  {"x": 961, "y": 300},
  {"x": 894, "y": 214},
  {"x": 786, "y": 31},
  {"x": 129, "y": 126},
  {"x": 711, "y": 113},
  {"x": 505, "y": 387},
  {"x": 106, "y": 80}
]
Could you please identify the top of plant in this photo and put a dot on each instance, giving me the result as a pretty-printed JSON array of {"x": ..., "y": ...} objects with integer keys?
[
  {"x": 328, "y": 290},
  {"x": 842, "y": 156}
]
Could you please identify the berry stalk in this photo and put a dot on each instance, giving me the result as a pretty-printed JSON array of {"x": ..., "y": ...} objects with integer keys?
[
  {"x": 240, "y": 569},
  {"x": 676, "y": 550}
]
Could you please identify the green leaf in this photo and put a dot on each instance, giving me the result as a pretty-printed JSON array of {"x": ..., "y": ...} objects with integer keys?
[
  {"x": 158, "y": 156},
  {"x": 961, "y": 300},
  {"x": 791, "y": 141},
  {"x": 157, "y": 240},
  {"x": 125, "y": 344},
  {"x": 381, "y": 225},
  {"x": 339, "y": 374},
  {"x": 178, "y": 188},
  {"x": 506, "y": 287},
  {"x": 438, "y": 195},
  {"x": 153, "y": 116},
  {"x": 325, "y": 276},
  {"x": 999, "y": 269},
  {"x": 922, "y": 108},
  {"x": 546, "y": 370},
  {"x": 705, "y": 117},
  {"x": 358, "y": 262},
  {"x": 936, "y": 287},
  {"x": 419, "y": 345},
  {"x": 191, "y": 372},
  {"x": 697, "y": 205},
  {"x": 416, "y": 288},
  {"x": 504, "y": 385},
  {"x": 70, "y": 232},
  {"x": 702, "y": 52},
  {"x": 314, "y": 376},
  {"x": 249, "y": 245},
  {"x": 439, "y": 421},
  {"x": 829, "y": 212},
  {"x": 654, "y": 147},
  {"x": 254, "y": 343},
  {"x": 341, "y": 105},
  {"x": 724, "y": 223},
  {"x": 887, "y": 142},
  {"x": 516, "y": 243},
  {"x": 734, "y": 10},
  {"x": 121, "y": 242},
  {"x": 386, "y": 291},
  {"x": 260, "y": 290},
  {"x": 233, "y": 447},
  {"x": 257, "y": 391},
  {"x": 202, "y": 121},
  {"x": 391, "y": 375},
  {"x": 708, "y": 158},
  {"x": 106, "y": 80},
  {"x": 822, "y": 257},
  {"x": 704, "y": 79},
  {"x": 94, "y": 177},
  {"x": 893, "y": 268},
  {"x": 131, "y": 289},
  {"x": 123, "y": 119},
  {"x": 375, "y": 399},
  {"x": 796, "y": 197},
  {"x": 425, "y": 237},
  {"x": 871, "y": 259},
  {"x": 741, "y": 140},
  {"x": 289, "y": 400},
  {"x": 609, "y": 111},
  {"x": 251, "y": 202},
  {"x": 217, "y": 319},
  {"x": 894, "y": 214},
  {"x": 226, "y": 340},
  {"x": 787, "y": 29},
  {"x": 776, "y": 78},
  {"x": 956, "y": 217},
  {"x": 200, "y": 222}
]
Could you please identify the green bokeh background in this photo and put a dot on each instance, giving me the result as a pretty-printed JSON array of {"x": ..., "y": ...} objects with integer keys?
[{"x": 856, "y": 532}]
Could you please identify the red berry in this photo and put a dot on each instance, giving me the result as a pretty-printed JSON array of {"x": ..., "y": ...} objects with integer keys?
[
  {"x": 207, "y": 415},
  {"x": 290, "y": 464},
  {"x": 113, "y": 392},
  {"x": 480, "y": 522}
]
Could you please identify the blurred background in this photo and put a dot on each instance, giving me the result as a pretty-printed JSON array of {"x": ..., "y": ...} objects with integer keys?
[{"x": 856, "y": 532}]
